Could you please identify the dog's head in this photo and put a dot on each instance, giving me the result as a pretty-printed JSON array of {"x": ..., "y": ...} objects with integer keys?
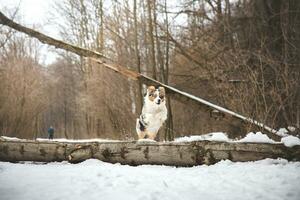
[{"x": 156, "y": 96}]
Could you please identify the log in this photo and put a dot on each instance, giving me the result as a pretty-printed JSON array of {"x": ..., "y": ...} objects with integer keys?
[
  {"x": 229, "y": 116},
  {"x": 134, "y": 153}
]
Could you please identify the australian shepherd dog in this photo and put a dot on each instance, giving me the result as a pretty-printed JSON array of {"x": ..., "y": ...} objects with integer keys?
[{"x": 154, "y": 113}]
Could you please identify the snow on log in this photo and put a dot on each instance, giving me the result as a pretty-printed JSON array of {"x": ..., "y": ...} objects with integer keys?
[
  {"x": 141, "y": 152},
  {"x": 231, "y": 117}
]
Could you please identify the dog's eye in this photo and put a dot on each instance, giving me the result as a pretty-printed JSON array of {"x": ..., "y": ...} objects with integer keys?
[
  {"x": 161, "y": 96},
  {"x": 151, "y": 95}
]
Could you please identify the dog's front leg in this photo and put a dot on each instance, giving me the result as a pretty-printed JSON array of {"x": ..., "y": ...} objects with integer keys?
[
  {"x": 140, "y": 129},
  {"x": 151, "y": 136},
  {"x": 145, "y": 119}
]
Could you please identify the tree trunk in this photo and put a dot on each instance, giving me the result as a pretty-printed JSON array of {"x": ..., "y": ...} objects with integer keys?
[
  {"x": 151, "y": 37},
  {"x": 137, "y": 152},
  {"x": 137, "y": 54},
  {"x": 169, "y": 133},
  {"x": 101, "y": 31}
]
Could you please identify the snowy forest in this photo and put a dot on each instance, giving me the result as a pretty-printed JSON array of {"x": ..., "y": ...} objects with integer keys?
[
  {"x": 149, "y": 99},
  {"x": 240, "y": 54}
]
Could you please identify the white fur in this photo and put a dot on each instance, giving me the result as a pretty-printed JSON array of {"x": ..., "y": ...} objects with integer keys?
[{"x": 154, "y": 115}]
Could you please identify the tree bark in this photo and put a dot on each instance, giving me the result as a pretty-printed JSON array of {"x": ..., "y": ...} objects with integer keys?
[
  {"x": 137, "y": 53},
  {"x": 137, "y": 152},
  {"x": 151, "y": 38},
  {"x": 231, "y": 117}
]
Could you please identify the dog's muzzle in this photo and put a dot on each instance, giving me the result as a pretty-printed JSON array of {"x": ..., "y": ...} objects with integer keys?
[{"x": 158, "y": 101}]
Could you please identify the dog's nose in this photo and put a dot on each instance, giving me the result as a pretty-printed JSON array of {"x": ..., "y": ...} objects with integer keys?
[{"x": 158, "y": 101}]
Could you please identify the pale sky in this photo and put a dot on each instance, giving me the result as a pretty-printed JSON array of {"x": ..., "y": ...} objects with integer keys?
[
  {"x": 34, "y": 13},
  {"x": 39, "y": 15}
]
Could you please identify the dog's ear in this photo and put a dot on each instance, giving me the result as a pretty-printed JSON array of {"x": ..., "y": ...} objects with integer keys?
[
  {"x": 151, "y": 89},
  {"x": 162, "y": 91}
]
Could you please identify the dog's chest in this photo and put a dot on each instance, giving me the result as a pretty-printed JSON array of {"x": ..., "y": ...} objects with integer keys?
[
  {"x": 154, "y": 117},
  {"x": 154, "y": 122},
  {"x": 156, "y": 113}
]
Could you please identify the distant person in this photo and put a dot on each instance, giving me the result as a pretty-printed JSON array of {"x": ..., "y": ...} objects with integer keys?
[{"x": 50, "y": 133}]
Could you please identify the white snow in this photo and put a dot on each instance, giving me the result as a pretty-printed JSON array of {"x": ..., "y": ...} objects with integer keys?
[
  {"x": 251, "y": 137},
  {"x": 291, "y": 128},
  {"x": 93, "y": 179},
  {"x": 10, "y": 138},
  {"x": 282, "y": 132},
  {"x": 81, "y": 140},
  {"x": 216, "y": 136},
  {"x": 290, "y": 141},
  {"x": 220, "y": 136},
  {"x": 257, "y": 138}
]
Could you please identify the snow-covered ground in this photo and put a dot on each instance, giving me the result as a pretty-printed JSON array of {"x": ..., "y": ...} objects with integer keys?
[
  {"x": 287, "y": 140},
  {"x": 93, "y": 179}
]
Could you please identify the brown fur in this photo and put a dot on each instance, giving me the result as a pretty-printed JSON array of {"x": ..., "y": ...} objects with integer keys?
[
  {"x": 151, "y": 91},
  {"x": 162, "y": 93},
  {"x": 142, "y": 135},
  {"x": 151, "y": 135}
]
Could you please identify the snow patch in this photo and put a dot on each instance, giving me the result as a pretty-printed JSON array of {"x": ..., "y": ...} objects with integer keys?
[
  {"x": 257, "y": 138},
  {"x": 78, "y": 141},
  {"x": 290, "y": 141},
  {"x": 251, "y": 137},
  {"x": 10, "y": 138},
  {"x": 282, "y": 132},
  {"x": 222, "y": 137},
  {"x": 216, "y": 136},
  {"x": 270, "y": 161},
  {"x": 291, "y": 128}
]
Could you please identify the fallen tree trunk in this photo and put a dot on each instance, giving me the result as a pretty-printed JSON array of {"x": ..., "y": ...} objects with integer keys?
[
  {"x": 137, "y": 153},
  {"x": 231, "y": 117}
]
